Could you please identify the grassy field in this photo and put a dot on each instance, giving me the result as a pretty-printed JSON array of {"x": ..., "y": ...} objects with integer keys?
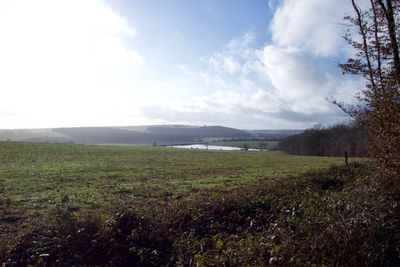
[{"x": 36, "y": 178}]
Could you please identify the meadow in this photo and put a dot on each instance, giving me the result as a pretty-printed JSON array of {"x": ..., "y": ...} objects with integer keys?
[
  {"x": 35, "y": 177},
  {"x": 156, "y": 206}
]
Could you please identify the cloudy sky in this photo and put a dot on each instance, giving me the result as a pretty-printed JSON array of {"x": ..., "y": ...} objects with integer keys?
[{"x": 248, "y": 64}]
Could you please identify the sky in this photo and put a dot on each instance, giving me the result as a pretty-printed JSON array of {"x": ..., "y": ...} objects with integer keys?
[{"x": 259, "y": 64}]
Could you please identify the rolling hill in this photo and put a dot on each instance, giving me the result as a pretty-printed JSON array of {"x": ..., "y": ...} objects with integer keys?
[{"x": 160, "y": 134}]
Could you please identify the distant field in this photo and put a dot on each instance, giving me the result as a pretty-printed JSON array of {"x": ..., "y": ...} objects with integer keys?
[
  {"x": 32, "y": 134},
  {"x": 270, "y": 145}
]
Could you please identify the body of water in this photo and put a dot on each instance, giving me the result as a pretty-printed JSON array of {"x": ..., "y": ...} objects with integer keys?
[{"x": 203, "y": 146}]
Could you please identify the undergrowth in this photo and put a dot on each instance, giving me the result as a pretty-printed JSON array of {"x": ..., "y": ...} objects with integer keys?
[{"x": 334, "y": 217}]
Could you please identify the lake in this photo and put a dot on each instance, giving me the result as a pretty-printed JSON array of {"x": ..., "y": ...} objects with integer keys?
[{"x": 211, "y": 147}]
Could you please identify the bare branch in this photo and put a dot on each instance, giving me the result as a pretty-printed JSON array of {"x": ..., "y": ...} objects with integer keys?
[
  {"x": 389, "y": 15},
  {"x": 365, "y": 44},
  {"x": 377, "y": 42}
]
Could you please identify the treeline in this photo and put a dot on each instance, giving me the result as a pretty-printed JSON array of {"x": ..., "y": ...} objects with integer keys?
[{"x": 332, "y": 141}]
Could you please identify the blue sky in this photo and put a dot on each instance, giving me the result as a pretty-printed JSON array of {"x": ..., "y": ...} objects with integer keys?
[
  {"x": 177, "y": 32},
  {"x": 204, "y": 25},
  {"x": 247, "y": 64}
]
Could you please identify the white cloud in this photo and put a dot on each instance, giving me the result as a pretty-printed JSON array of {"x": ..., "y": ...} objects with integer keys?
[
  {"x": 237, "y": 52},
  {"x": 71, "y": 63},
  {"x": 295, "y": 78},
  {"x": 254, "y": 108},
  {"x": 303, "y": 81},
  {"x": 242, "y": 43},
  {"x": 298, "y": 68},
  {"x": 272, "y": 4},
  {"x": 220, "y": 62},
  {"x": 313, "y": 24},
  {"x": 62, "y": 61},
  {"x": 306, "y": 35}
]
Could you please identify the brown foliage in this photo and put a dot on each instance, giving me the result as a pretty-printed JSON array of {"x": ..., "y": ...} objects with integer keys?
[
  {"x": 332, "y": 141},
  {"x": 376, "y": 59}
]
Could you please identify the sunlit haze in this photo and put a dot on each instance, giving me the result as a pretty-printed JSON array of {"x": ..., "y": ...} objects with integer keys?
[{"x": 244, "y": 64}]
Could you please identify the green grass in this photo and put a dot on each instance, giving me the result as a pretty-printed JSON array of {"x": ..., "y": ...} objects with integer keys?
[
  {"x": 164, "y": 207},
  {"x": 35, "y": 177}
]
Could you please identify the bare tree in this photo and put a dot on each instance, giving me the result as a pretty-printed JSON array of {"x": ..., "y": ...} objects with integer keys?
[{"x": 376, "y": 58}]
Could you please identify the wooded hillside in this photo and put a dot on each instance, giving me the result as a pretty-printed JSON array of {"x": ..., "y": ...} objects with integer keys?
[{"x": 333, "y": 141}]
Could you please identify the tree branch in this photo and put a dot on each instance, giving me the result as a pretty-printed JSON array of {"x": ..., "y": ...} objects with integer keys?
[
  {"x": 389, "y": 15},
  {"x": 365, "y": 44},
  {"x": 377, "y": 42}
]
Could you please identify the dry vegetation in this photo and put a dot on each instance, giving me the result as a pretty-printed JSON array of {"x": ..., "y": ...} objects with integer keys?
[
  {"x": 169, "y": 207},
  {"x": 337, "y": 216}
]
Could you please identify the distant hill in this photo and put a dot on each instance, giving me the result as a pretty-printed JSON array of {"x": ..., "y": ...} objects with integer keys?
[{"x": 160, "y": 134}]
